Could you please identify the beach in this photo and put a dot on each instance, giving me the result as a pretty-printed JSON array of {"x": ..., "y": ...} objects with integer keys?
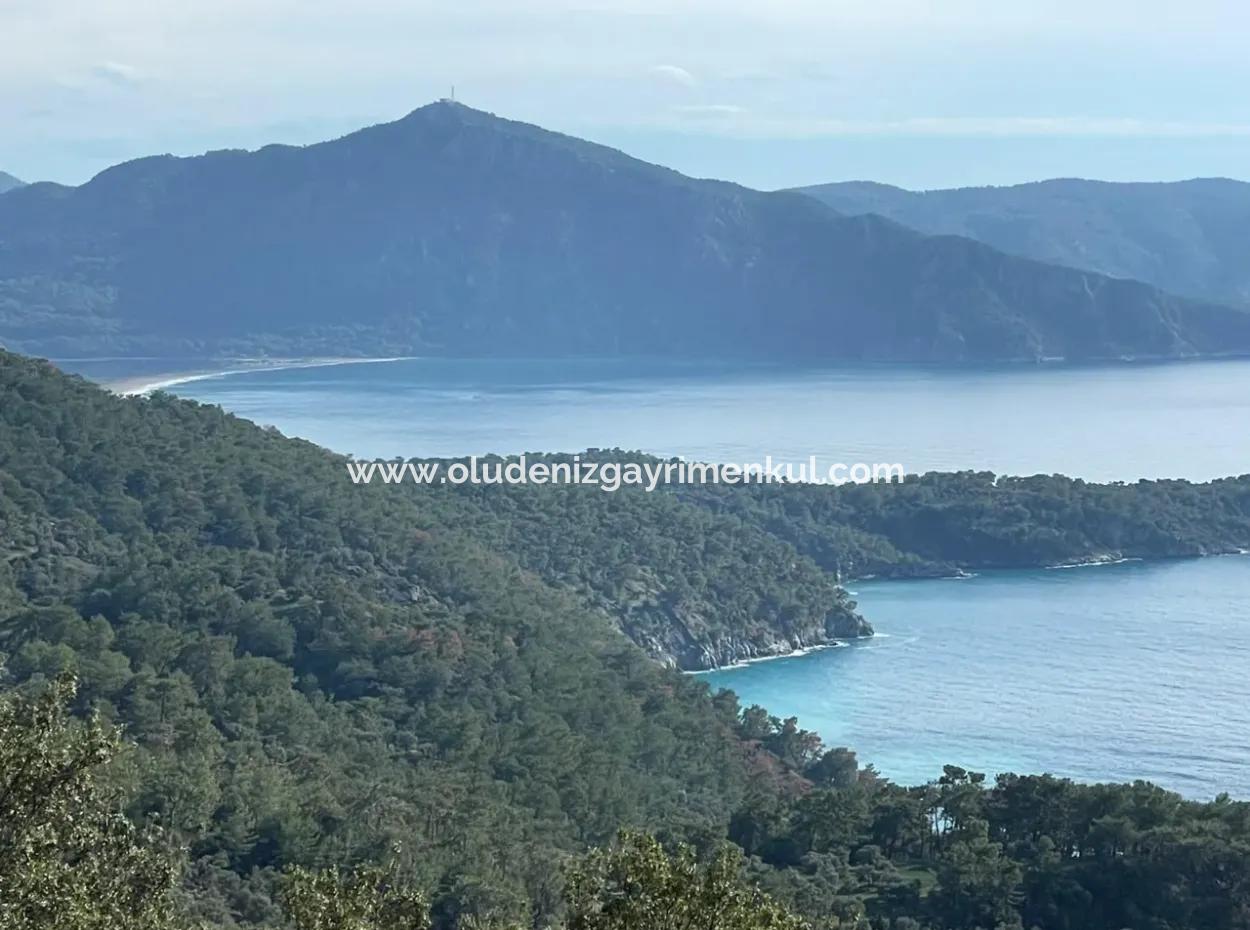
[{"x": 145, "y": 384}]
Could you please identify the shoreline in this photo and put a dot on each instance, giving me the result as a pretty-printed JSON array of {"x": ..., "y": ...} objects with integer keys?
[
  {"x": 1096, "y": 562},
  {"x": 963, "y": 575},
  {"x": 139, "y": 385},
  {"x": 755, "y": 660}
]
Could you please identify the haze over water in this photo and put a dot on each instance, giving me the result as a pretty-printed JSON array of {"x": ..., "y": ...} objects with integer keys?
[{"x": 1105, "y": 673}]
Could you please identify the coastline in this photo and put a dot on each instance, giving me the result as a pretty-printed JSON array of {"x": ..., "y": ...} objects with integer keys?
[
  {"x": 139, "y": 385},
  {"x": 755, "y": 660},
  {"x": 1097, "y": 562}
]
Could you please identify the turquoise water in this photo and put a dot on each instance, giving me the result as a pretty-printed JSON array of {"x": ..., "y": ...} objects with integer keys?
[
  {"x": 1118, "y": 422},
  {"x": 1120, "y": 672},
  {"x": 1112, "y": 673}
]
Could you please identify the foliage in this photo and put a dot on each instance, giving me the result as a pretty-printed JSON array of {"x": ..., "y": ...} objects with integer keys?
[
  {"x": 364, "y": 898},
  {"x": 1024, "y": 851},
  {"x": 936, "y": 523},
  {"x": 69, "y": 859},
  {"x": 692, "y": 586},
  {"x": 637, "y": 885},
  {"x": 310, "y": 672}
]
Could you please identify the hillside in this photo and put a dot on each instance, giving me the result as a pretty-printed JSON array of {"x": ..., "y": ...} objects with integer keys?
[
  {"x": 691, "y": 586},
  {"x": 452, "y": 231},
  {"x": 941, "y": 524},
  {"x": 610, "y": 546},
  {"x": 8, "y": 182},
  {"x": 1189, "y": 237},
  {"x": 310, "y": 671}
]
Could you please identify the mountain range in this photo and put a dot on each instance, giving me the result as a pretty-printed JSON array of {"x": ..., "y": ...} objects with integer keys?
[
  {"x": 8, "y": 182},
  {"x": 1188, "y": 237},
  {"x": 452, "y": 231}
]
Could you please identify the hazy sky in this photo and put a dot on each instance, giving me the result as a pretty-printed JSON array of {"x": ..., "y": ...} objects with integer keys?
[{"x": 923, "y": 93}]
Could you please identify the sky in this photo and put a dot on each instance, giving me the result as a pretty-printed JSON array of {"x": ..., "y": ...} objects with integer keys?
[{"x": 919, "y": 93}]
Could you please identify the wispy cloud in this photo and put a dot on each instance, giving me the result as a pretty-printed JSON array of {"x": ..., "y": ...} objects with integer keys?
[
  {"x": 115, "y": 72},
  {"x": 675, "y": 74}
]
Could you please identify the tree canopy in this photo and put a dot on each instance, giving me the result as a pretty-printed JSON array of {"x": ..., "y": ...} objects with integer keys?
[{"x": 310, "y": 674}]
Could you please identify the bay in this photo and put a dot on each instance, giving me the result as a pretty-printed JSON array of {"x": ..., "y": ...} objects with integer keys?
[{"x": 1099, "y": 673}]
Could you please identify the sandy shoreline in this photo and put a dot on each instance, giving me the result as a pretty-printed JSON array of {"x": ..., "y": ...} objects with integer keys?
[{"x": 145, "y": 384}]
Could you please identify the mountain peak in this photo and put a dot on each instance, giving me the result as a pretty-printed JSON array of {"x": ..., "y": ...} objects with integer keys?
[
  {"x": 447, "y": 115},
  {"x": 459, "y": 131},
  {"x": 446, "y": 106},
  {"x": 8, "y": 182}
]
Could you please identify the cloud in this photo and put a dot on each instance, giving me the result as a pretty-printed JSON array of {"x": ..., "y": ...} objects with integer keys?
[
  {"x": 676, "y": 74},
  {"x": 114, "y": 72}
]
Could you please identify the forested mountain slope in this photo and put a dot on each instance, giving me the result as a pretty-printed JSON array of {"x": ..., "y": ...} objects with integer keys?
[
  {"x": 928, "y": 525},
  {"x": 310, "y": 671},
  {"x": 455, "y": 232},
  {"x": 1186, "y": 237},
  {"x": 939, "y": 524},
  {"x": 693, "y": 587}
]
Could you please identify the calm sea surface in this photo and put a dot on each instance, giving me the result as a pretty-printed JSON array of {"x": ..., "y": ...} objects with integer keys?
[
  {"x": 1102, "y": 673},
  {"x": 1116, "y": 672},
  {"x": 1123, "y": 422}
]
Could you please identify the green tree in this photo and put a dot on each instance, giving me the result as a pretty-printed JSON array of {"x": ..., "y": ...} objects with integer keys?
[
  {"x": 69, "y": 858},
  {"x": 365, "y": 898},
  {"x": 977, "y": 886},
  {"x": 637, "y": 885}
]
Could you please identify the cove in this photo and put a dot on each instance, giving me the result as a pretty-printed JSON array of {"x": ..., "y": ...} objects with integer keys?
[{"x": 1100, "y": 673}]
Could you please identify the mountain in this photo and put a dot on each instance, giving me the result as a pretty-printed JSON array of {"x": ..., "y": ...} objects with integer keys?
[
  {"x": 8, "y": 182},
  {"x": 1189, "y": 237},
  {"x": 452, "y": 231}
]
